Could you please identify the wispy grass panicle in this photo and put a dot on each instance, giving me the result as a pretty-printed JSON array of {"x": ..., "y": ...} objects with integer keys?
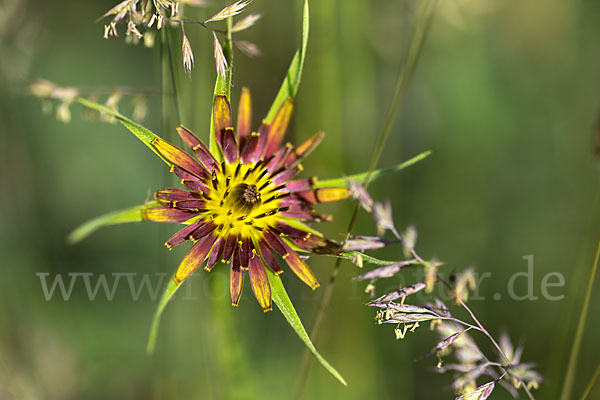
[
  {"x": 401, "y": 308},
  {"x": 141, "y": 17}
]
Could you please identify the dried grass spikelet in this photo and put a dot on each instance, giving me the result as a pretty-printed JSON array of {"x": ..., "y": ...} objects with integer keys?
[
  {"x": 220, "y": 61},
  {"x": 229, "y": 11},
  {"x": 186, "y": 51}
]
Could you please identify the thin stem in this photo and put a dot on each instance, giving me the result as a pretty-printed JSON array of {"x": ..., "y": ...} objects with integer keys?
[
  {"x": 590, "y": 384},
  {"x": 172, "y": 74},
  {"x": 486, "y": 333},
  {"x": 202, "y": 24},
  {"x": 121, "y": 89},
  {"x": 480, "y": 326},
  {"x": 415, "y": 45},
  {"x": 570, "y": 375}
]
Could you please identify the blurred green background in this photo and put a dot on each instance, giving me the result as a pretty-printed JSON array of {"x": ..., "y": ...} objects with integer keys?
[{"x": 506, "y": 93}]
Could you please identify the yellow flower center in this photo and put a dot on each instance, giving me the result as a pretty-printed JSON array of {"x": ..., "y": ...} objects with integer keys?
[{"x": 242, "y": 200}]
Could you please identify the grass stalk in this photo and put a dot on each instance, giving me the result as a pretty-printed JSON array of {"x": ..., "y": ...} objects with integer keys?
[
  {"x": 590, "y": 384},
  {"x": 572, "y": 364},
  {"x": 411, "y": 56}
]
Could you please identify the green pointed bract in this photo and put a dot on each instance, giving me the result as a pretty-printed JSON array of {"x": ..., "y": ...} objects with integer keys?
[
  {"x": 132, "y": 214},
  {"x": 378, "y": 173},
  {"x": 283, "y": 302},
  {"x": 290, "y": 84},
  {"x": 222, "y": 87},
  {"x": 145, "y": 135},
  {"x": 170, "y": 290}
]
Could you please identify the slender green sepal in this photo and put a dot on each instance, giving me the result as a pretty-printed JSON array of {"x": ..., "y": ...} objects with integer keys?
[
  {"x": 280, "y": 297},
  {"x": 290, "y": 84},
  {"x": 172, "y": 287},
  {"x": 132, "y": 214},
  {"x": 378, "y": 173},
  {"x": 145, "y": 135},
  {"x": 222, "y": 87}
]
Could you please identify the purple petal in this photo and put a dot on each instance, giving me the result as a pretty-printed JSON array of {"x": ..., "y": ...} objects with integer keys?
[{"x": 182, "y": 235}]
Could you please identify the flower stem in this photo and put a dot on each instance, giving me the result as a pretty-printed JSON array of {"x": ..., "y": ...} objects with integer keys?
[{"x": 172, "y": 75}]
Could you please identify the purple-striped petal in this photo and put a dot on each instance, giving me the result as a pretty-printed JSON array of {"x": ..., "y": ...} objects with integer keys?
[
  {"x": 202, "y": 231},
  {"x": 183, "y": 235},
  {"x": 179, "y": 157},
  {"x": 229, "y": 246},
  {"x": 202, "y": 152},
  {"x": 286, "y": 174},
  {"x": 299, "y": 267},
  {"x": 318, "y": 245},
  {"x": 304, "y": 149},
  {"x": 194, "y": 258},
  {"x": 282, "y": 227},
  {"x": 277, "y": 160},
  {"x": 324, "y": 195},
  {"x": 300, "y": 184},
  {"x": 307, "y": 216},
  {"x": 260, "y": 283},
  {"x": 275, "y": 242},
  {"x": 269, "y": 258},
  {"x": 250, "y": 151},
  {"x": 215, "y": 254},
  {"x": 278, "y": 127},
  {"x": 230, "y": 147},
  {"x": 236, "y": 284},
  {"x": 167, "y": 214},
  {"x": 236, "y": 259},
  {"x": 195, "y": 186},
  {"x": 222, "y": 117},
  {"x": 192, "y": 205},
  {"x": 263, "y": 138},
  {"x": 168, "y": 196},
  {"x": 245, "y": 253},
  {"x": 186, "y": 175},
  {"x": 244, "y": 117}
]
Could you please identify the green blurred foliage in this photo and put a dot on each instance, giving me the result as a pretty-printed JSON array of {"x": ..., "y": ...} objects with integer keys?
[{"x": 505, "y": 93}]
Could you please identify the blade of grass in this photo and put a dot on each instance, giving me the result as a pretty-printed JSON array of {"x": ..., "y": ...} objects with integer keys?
[
  {"x": 572, "y": 365},
  {"x": 171, "y": 69},
  {"x": 132, "y": 214},
  {"x": 290, "y": 84},
  {"x": 145, "y": 135},
  {"x": 590, "y": 384},
  {"x": 283, "y": 302},
  {"x": 343, "y": 182},
  {"x": 413, "y": 50},
  {"x": 170, "y": 290}
]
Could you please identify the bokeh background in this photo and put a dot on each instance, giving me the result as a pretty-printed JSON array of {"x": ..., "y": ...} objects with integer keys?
[{"x": 506, "y": 93}]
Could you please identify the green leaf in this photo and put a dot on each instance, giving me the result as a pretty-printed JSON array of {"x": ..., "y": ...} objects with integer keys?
[
  {"x": 283, "y": 302},
  {"x": 343, "y": 182},
  {"x": 145, "y": 135},
  {"x": 290, "y": 84},
  {"x": 172, "y": 287},
  {"x": 132, "y": 214}
]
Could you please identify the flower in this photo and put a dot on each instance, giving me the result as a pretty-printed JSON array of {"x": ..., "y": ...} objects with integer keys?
[{"x": 248, "y": 208}]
